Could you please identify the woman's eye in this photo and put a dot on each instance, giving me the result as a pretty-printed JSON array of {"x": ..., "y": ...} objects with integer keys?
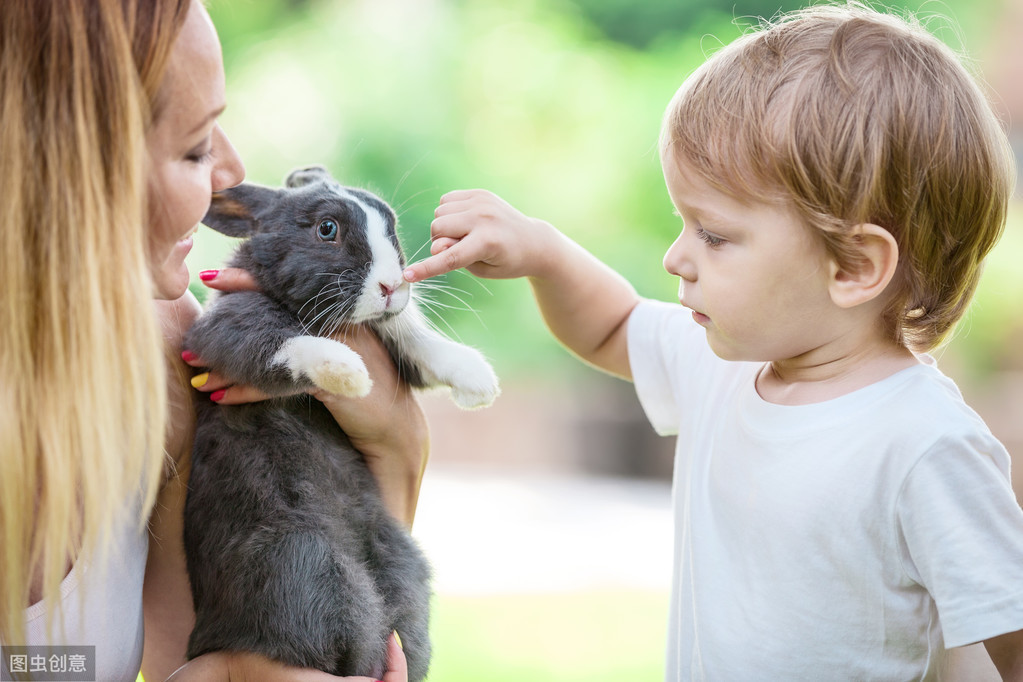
[
  {"x": 327, "y": 230},
  {"x": 202, "y": 152},
  {"x": 200, "y": 156}
]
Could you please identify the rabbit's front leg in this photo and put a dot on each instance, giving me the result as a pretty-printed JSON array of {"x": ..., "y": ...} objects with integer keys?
[
  {"x": 440, "y": 361},
  {"x": 255, "y": 341},
  {"x": 329, "y": 364}
]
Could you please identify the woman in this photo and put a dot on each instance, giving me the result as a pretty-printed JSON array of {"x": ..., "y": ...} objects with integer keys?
[{"x": 109, "y": 151}]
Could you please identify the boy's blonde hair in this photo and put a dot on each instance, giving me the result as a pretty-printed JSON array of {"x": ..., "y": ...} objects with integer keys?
[{"x": 854, "y": 117}]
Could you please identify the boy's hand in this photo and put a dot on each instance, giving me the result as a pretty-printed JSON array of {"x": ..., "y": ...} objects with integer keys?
[
  {"x": 477, "y": 230},
  {"x": 583, "y": 302}
]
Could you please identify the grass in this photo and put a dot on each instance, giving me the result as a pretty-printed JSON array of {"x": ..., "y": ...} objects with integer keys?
[
  {"x": 591, "y": 636},
  {"x": 586, "y": 636}
]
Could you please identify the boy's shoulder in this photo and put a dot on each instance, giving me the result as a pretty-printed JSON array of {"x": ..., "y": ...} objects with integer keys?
[
  {"x": 925, "y": 411},
  {"x": 928, "y": 393}
]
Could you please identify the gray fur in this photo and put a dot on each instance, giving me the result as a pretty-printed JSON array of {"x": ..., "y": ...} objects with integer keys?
[{"x": 291, "y": 552}]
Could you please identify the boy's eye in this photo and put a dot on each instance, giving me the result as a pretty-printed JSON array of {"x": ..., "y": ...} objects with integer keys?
[
  {"x": 327, "y": 230},
  {"x": 711, "y": 239}
]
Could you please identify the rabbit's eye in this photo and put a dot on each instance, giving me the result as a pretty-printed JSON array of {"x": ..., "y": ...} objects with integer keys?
[{"x": 327, "y": 230}]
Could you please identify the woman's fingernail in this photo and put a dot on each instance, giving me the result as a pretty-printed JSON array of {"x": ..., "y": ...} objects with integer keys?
[
  {"x": 189, "y": 356},
  {"x": 207, "y": 275},
  {"x": 199, "y": 380},
  {"x": 397, "y": 638},
  {"x": 217, "y": 396}
]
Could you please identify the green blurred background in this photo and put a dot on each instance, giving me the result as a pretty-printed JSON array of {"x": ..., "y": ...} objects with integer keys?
[{"x": 555, "y": 105}]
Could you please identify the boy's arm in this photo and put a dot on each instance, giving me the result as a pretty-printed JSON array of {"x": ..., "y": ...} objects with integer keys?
[
  {"x": 1006, "y": 651},
  {"x": 584, "y": 303}
]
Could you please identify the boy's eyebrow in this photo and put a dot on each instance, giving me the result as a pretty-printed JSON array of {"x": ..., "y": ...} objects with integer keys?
[{"x": 703, "y": 215}]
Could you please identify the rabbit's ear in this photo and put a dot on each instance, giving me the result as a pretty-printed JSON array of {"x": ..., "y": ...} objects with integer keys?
[
  {"x": 303, "y": 176},
  {"x": 235, "y": 211}
]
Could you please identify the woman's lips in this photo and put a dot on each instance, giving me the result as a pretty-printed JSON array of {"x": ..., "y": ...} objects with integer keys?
[{"x": 181, "y": 247}]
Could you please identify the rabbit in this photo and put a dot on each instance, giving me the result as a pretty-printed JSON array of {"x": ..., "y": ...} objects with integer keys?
[{"x": 290, "y": 550}]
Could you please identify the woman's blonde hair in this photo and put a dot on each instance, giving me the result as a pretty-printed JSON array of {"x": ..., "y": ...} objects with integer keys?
[
  {"x": 853, "y": 116},
  {"x": 82, "y": 369}
]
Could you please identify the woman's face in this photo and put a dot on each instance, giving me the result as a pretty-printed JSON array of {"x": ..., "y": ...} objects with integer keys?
[{"x": 190, "y": 157}]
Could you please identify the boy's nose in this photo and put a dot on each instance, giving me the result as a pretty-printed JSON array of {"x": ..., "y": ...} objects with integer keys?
[{"x": 677, "y": 262}]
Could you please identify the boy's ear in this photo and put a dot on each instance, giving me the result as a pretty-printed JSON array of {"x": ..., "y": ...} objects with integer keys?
[
  {"x": 235, "y": 211},
  {"x": 868, "y": 276}
]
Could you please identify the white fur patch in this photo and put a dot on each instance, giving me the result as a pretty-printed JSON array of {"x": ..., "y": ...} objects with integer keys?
[
  {"x": 442, "y": 361},
  {"x": 329, "y": 364},
  {"x": 385, "y": 269}
]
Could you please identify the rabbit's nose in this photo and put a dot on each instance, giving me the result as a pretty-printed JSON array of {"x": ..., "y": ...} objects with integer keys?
[
  {"x": 390, "y": 286},
  {"x": 390, "y": 289}
]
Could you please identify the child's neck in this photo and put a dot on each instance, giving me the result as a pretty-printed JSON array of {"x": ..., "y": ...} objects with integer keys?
[{"x": 815, "y": 377}]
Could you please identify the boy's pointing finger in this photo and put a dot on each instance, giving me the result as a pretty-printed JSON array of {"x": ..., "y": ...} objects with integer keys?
[
  {"x": 441, "y": 245},
  {"x": 446, "y": 260}
]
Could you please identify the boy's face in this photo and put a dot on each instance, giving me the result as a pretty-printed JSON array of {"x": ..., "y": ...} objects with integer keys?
[{"x": 754, "y": 276}]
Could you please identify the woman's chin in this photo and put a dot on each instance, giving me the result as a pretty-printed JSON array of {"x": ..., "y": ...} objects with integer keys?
[
  {"x": 171, "y": 276},
  {"x": 171, "y": 284}
]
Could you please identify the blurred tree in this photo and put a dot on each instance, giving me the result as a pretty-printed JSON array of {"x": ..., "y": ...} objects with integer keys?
[
  {"x": 641, "y": 24},
  {"x": 553, "y": 104}
]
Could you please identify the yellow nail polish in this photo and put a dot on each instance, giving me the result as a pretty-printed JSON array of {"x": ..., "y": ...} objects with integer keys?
[
  {"x": 199, "y": 380},
  {"x": 397, "y": 638}
]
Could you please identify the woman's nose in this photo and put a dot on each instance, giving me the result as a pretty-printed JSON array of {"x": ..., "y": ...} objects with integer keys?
[
  {"x": 229, "y": 170},
  {"x": 677, "y": 261}
]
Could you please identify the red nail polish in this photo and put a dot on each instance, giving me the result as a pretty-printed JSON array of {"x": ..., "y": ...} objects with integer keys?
[
  {"x": 207, "y": 275},
  {"x": 189, "y": 356},
  {"x": 217, "y": 396}
]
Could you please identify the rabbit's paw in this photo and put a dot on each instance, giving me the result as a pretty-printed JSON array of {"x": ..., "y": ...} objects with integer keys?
[
  {"x": 329, "y": 364},
  {"x": 471, "y": 378}
]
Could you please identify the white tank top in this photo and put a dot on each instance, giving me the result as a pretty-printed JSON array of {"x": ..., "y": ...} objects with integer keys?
[{"x": 110, "y": 615}]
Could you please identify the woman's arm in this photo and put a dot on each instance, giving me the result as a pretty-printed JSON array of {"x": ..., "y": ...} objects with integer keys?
[
  {"x": 166, "y": 594},
  {"x": 247, "y": 667},
  {"x": 388, "y": 426}
]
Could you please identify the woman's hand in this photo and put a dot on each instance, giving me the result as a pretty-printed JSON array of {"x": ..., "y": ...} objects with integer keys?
[
  {"x": 219, "y": 388},
  {"x": 222, "y": 666},
  {"x": 387, "y": 426}
]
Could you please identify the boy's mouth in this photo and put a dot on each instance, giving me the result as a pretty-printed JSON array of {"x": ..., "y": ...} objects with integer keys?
[{"x": 700, "y": 318}]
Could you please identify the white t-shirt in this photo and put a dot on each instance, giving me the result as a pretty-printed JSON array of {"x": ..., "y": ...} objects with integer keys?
[
  {"x": 101, "y": 605},
  {"x": 855, "y": 539}
]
